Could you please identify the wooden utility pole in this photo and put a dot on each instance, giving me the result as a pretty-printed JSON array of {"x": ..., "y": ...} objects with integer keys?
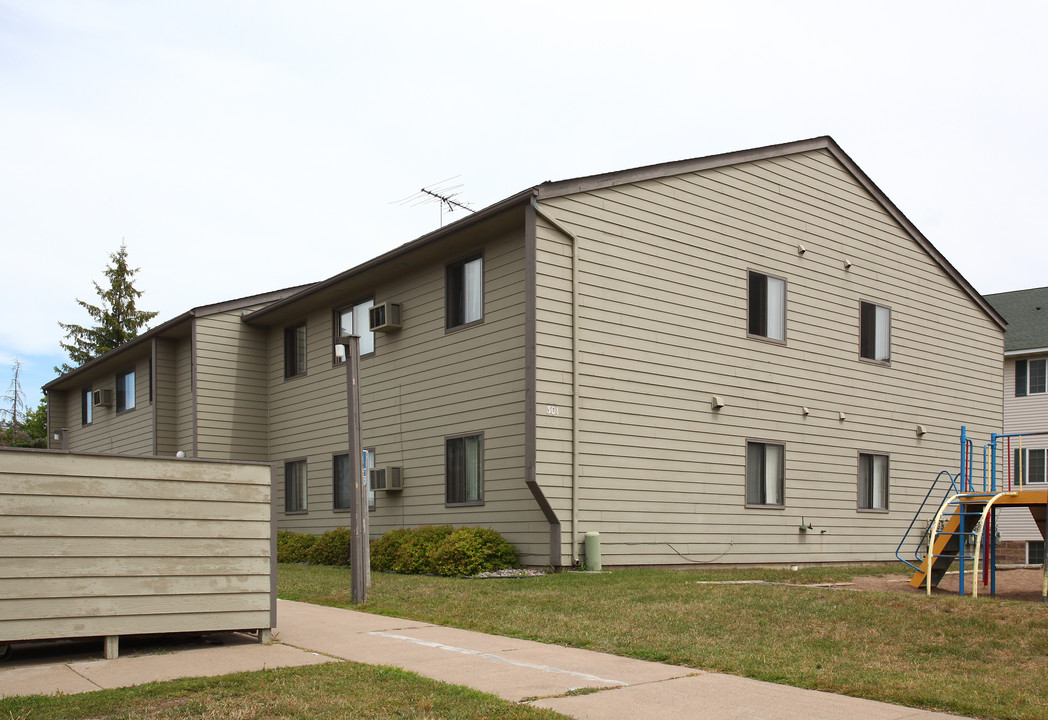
[{"x": 359, "y": 548}]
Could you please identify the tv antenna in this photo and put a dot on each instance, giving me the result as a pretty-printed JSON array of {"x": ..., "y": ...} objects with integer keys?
[{"x": 441, "y": 193}]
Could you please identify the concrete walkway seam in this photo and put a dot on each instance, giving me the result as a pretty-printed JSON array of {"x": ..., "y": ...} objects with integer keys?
[{"x": 499, "y": 658}]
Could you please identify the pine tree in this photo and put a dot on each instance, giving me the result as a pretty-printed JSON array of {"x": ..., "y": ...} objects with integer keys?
[{"x": 117, "y": 320}]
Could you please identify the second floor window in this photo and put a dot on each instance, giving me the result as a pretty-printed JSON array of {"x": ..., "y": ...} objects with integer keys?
[
  {"x": 1030, "y": 465},
  {"x": 353, "y": 320},
  {"x": 1031, "y": 377},
  {"x": 874, "y": 332},
  {"x": 125, "y": 391},
  {"x": 295, "y": 350},
  {"x": 86, "y": 407},
  {"x": 465, "y": 292},
  {"x": 767, "y": 306}
]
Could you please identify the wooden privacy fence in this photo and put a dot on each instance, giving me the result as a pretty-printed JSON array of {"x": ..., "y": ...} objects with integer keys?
[{"x": 106, "y": 545}]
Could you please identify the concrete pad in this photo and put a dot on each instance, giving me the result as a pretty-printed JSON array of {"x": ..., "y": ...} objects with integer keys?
[
  {"x": 296, "y": 620},
  {"x": 712, "y": 696},
  {"x": 202, "y": 662},
  {"x": 43, "y": 680}
]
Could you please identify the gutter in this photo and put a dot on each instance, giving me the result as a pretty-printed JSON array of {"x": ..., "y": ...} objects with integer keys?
[{"x": 487, "y": 213}]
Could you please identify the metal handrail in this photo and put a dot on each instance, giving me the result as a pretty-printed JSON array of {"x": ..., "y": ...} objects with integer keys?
[{"x": 916, "y": 555}]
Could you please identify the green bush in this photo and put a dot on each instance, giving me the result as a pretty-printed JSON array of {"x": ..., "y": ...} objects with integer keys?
[
  {"x": 294, "y": 547},
  {"x": 331, "y": 548},
  {"x": 413, "y": 556},
  {"x": 469, "y": 551},
  {"x": 384, "y": 550}
]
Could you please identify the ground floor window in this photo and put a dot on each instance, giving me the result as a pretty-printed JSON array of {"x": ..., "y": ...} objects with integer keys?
[
  {"x": 343, "y": 488},
  {"x": 873, "y": 482},
  {"x": 295, "y": 486},
  {"x": 1035, "y": 552},
  {"x": 765, "y": 474},
  {"x": 464, "y": 469}
]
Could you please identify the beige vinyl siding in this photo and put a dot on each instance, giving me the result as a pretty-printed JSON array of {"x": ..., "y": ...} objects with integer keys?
[
  {"x": 129, "y": 432},
  {"x": 94, "y": 545},
  {"x": 185, "y": 402},
  {"x": 1022, "y": 415},
  {"x": 421, "y": 385},
  {"x": 167, "y": 399},
  {"x": 663, "y": 327},
  {"x": 231, "y": 385}
]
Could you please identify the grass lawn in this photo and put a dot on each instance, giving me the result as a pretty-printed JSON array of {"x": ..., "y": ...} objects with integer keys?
[
  {"x": 335, "y": 691},
  {"x": 983, "y": 657}
]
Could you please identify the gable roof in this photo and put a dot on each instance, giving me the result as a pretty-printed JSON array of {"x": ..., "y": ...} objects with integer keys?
[
  {"x": 550, "y": 189},
  {"x": 1027, "y": 314},
  {"x": 170, "y": 328}
]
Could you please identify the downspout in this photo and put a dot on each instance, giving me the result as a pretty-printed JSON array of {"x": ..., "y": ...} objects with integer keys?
[
  {"x": 574, "y": 375},
  {"x": 152, "y": 388}
]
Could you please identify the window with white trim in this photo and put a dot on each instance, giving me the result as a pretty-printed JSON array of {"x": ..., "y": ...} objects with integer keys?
[
  {"x": 1030, "y": 466},
  {"x": 1031, "y": 377},
  {"x": 873, "y": 482},
  {"x": 765, "y": 474},
  {"x": 767, "y": 306}
]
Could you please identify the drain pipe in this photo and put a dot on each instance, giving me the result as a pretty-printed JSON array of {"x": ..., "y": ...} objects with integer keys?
[{"x": 574, "y": 375}]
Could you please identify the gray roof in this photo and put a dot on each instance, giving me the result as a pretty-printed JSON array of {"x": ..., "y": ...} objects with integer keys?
[{"x": 1027, "y": 314}]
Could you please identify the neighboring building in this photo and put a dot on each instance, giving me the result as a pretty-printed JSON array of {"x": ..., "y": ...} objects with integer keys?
[
  {"x": 745, "y": 358},
  {"x": 1025, "y": 410}
]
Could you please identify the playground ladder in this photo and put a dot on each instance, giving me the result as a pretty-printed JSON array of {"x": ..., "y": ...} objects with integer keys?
[{"x": 963, "y": 528}]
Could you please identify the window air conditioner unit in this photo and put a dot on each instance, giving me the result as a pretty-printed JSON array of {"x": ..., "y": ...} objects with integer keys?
[
  {"x": 384, "y": 317},
  {"x": 102, "y": 398},
  {"x": 377, "y": 478},
  {"x": 391, "y": 478}
]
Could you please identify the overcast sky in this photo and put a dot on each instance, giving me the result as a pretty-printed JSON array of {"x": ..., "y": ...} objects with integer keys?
[{"x": 240, "y": 147}]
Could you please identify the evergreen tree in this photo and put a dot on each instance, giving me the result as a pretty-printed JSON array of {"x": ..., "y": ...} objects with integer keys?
[{"x": 117, "y": 320}]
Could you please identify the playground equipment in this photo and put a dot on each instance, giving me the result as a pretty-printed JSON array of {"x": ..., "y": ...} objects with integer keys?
[{"x": 964, "y": 526}]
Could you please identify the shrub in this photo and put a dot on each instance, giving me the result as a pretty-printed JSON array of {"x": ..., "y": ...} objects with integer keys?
[
  {"x": 469, "y": 551},
  {"x": 331, "y": 548},
  {"x": 384, "y": 550},
  {"x": 413, "y": 556},
  {"x": 294, "y": 547}
]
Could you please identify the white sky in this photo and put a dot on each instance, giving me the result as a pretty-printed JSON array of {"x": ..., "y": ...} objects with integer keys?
[{"x": 240, "y": 147}]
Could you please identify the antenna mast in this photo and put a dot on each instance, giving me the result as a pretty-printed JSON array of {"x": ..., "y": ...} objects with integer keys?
[{"x": 444, "y": 195}]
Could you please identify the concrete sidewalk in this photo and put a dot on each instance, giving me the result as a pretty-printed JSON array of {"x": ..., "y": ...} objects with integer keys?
[{"x": 517, "y": 670}]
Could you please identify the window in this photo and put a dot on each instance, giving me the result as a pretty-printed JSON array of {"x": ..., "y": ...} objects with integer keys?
[
  {"x": 874, "y": 332},
  {"x": 1031, "y": 377},
  {"x": 765, "y": 474},
  {"x": 1035, "y": 552},
  {"x": 1032, "y": 466},
  {"x": 125, "y": 391},
  {"x": 873, "y": 482},
  {"x": 295, "y": 351},
  {"x": 465, "y": 292},
  {"x": 86, "y": 407},
  {"x": 353, "y": 320},
  {"x": 464, "y": 469},
  {"x": 767, "y": 313},
  {"x": 343, "y": 488},
  {"x": 295, "y": 486}
]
